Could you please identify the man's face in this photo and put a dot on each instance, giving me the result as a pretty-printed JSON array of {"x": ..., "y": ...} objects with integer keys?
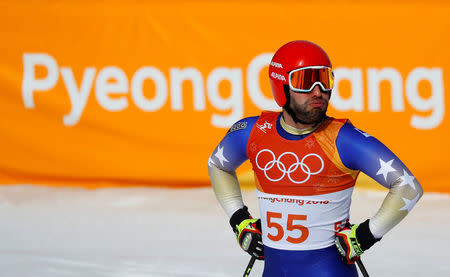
[{"x": 309, "y": 107}]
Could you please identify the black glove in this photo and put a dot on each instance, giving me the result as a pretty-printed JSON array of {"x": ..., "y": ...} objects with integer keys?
[
  {"x": 248, "y": 232},
  {"x": 353, "y": 240}
]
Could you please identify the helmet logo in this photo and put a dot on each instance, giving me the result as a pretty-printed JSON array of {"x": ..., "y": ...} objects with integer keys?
[
  {"x": 277, "y": 76},
  {"x": 275, "y": 64}
]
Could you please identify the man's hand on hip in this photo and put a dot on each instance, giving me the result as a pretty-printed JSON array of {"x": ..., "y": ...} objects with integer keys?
[
  {"x": 353, "y": 240},
  {"x": 248, "y": 232}
]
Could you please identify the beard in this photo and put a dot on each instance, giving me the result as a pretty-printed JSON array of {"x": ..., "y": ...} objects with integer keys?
[{"x": 301, "y": 114}]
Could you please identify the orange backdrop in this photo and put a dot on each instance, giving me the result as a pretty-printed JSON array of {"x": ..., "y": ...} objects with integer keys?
[{"x": 100, "y": 93}]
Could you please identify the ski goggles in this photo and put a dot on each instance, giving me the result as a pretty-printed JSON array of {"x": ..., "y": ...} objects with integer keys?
[{"x": 304, "y": 79}]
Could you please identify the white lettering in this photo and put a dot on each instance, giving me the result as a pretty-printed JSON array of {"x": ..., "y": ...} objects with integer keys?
[
  {"x": 103, "y": 87},
  {"x": 254, "y": 90},
  {"x": 137, "y": 83},
  {"x": 436, "y": 101},
  {"x": 30, "y": 83},
  {"x": 111, "y": 87},
  {"x": 78, "y": 97},
  {"x": 374, "y": 77},
  {"x": 177, "y": 76},
  {"x": 234, "y": 102},
  {"x": 275, "y": 64},
  {"x": 277, "y": 76}
]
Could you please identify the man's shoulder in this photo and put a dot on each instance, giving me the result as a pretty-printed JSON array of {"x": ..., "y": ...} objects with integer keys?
[
  {"x": 350, "y": 132},
  {"x": 245, "y": 123}
]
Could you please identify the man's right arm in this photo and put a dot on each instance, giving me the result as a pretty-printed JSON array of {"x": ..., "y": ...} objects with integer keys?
[
  {"x": 223, "y": 162},
  {"x": 229, "y": 155}
]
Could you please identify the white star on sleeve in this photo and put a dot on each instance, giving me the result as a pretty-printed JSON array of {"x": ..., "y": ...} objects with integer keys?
[
  {"x": 407, "y": 180},
  {"x": 385, "y": 168},
  {"x": 409, "y": 204},
  {"x": 219, "y": 155}
]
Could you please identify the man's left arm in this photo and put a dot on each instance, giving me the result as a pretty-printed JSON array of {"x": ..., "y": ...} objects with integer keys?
[{"x": 360, "y": 151}]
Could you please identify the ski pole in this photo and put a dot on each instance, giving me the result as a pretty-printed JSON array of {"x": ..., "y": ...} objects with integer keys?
[
  {"x": 249, "y": 266},
  {"x": 362, "y": 268}
]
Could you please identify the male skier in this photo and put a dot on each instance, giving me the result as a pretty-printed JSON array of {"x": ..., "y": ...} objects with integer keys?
[{"x": 305, "y": 166}]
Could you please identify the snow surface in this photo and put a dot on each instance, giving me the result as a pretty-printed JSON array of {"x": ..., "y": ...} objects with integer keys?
[{"x": 134, "y": 232}]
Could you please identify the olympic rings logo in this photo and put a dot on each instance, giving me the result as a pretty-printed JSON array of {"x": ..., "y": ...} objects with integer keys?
[{"x": 292, "y": 168}]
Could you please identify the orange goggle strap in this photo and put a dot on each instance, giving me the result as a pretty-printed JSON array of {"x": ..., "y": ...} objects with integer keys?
[{"x": 304, "y": 79}]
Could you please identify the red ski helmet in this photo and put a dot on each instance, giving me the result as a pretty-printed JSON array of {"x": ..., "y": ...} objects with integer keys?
[{"x": 293, "y": 55}]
